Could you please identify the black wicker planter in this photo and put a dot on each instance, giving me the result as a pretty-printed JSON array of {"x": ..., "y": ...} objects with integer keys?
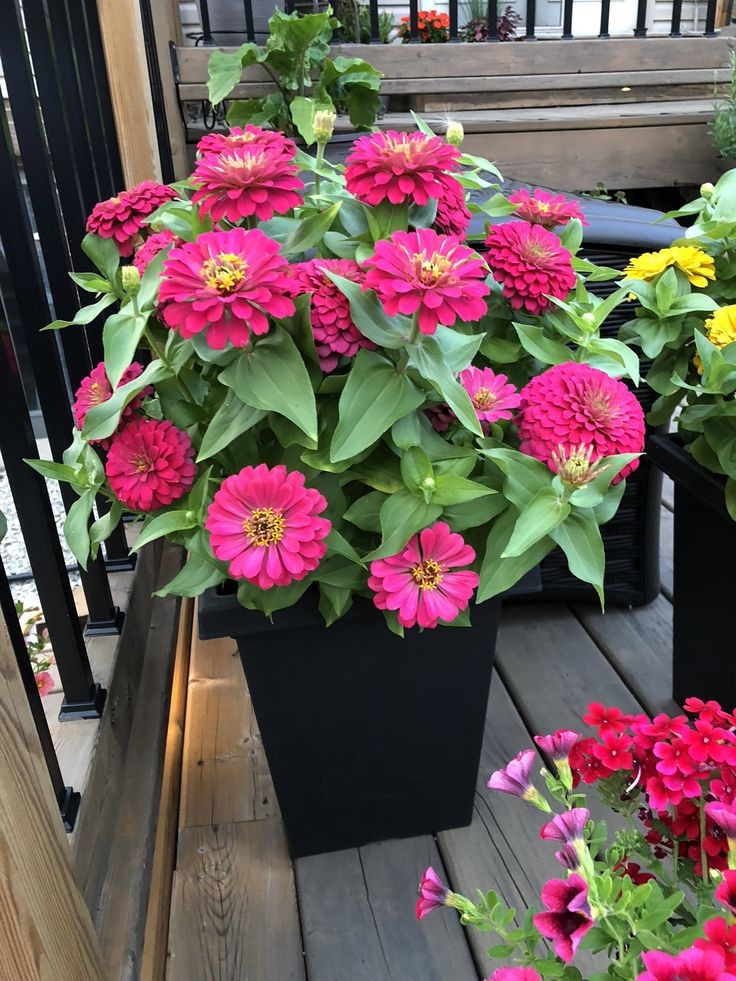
[
  {"x": 367, "y": 736},
  {"x": 703, "y": 642}
]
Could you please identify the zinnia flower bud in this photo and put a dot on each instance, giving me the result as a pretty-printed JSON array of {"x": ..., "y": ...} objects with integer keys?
[
  {"x": 707, "y": 190},
  {"x": 323, "y": 125},
  {"x": 455, "y": 133},
  {"x": 131, "y": 280}
]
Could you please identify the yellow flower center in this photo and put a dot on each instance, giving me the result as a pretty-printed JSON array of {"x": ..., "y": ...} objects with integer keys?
[
  {"x": 428, "y": 574},
  {"x": 225, "y": 272},
  {"x": 484, "y": 399},
  {"x": 535, "y": 250},
  {"x": 264, "y": 527},
  {"x": 142, "y": 464},
  {"x": 430, "y": 270},
  {"x": 542, "y": 206},
  {"x": 97, "y": 393},
  {"x": 245, "y": 162}
]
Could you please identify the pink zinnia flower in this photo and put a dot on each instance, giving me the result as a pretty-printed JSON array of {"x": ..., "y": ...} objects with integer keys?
[
  {"x": 226, "y": 283},
  {"x": 531, "y": 265},
  {"x": 543, "y": 208},
  {"x": 45, "y": 683},
  {"x": 249, "y": 136},
  {"x": 515, "y": 974},
  {"x": 96, "y": 389},
  {"x": 265, "y": 523},
  {"x": 452, "y": 216},
  {"x": 692, "y": 964},
  {"x": 432, "y": 893},
  {"x": 567, "y": 827},
  {"x": 559, "y": 745},
  {"x": 399, "y": 167},
  {"x": 246, "y": 180},
  {"x": 122, "y": 217},
  {"x": 726, "y": 891},
  {"x": 432, "y": 275},
  {"x": 335, "y": 334},
  {"x": 492, "y": 395},
  {"x": 420, "y": 584},
  {"x": 152, "y": 246},
  {"x": 568, "y": 918},
  {"x": 573, "y": 404},
  {"x": 150, "y": 464}
]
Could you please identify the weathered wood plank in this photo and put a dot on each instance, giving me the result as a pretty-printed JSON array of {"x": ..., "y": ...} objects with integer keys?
[
  {"x": 358, "y": 920},
  {"x": 225, "y": 775},
  {"x": 155, "y": 943},
  {"x": 234, "y": 912}
]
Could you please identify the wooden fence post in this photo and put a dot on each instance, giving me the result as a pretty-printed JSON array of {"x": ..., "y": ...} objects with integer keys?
[
  {"x": 127, "y": 71},
  {"x": 46, "y": 930}
]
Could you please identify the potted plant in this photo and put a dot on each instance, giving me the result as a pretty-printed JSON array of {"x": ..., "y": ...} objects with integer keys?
[
  {"x": 685, "y": 323},
  {"x": 321, "y": 423},
  {"x": 296, "y": 57},
  {"x": 656, "y": 902}
]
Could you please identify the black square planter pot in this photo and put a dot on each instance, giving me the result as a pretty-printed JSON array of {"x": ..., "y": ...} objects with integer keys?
[
  {"x": 367, "y": 736},
  {"x": 703, "y": 640}
]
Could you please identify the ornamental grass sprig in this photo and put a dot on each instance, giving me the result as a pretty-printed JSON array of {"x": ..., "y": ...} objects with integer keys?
[{"x": 656, "y": 918}]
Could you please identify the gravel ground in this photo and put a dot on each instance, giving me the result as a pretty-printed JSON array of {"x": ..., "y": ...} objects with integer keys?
[{"x": 12, "y": 548}]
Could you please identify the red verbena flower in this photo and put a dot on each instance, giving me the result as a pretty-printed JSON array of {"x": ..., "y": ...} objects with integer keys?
[
  {"x": 227, "y": 284},
  {"x": 335, "y": 334},
  {"x": 152, "y": 246},
  {"x": 633, "y": 871},
  {"x": 432, "y": 893},
  {"x": 673, "y": 757},
  {"x": 568, "y": 918},
  {"x": 531, "y": 265},
  {"x": 572, "y": 404},
  {"x": 150, "y": 464},
  {"x": 543, "y": 208},
  {"x": 249, "y": 135},
  {"x": 605, "y": 719},
  {"x": 399, "y": 167},
  {"x": 492, "y": 395},
  {"x": 614, "y": 751},
  {"x": 452, "y": 216},
  {"x": 96, "y": 389},
  {"x": 266, "y": 524},
  {"x": 707, "y": 742},
  {"x": 693, "y": 964},
  {"x": 122, "y": 217},
  {"x": 423, "y": 582},
  {"x": 246, "y": 180},
  {"x": 431, "y": 275}
]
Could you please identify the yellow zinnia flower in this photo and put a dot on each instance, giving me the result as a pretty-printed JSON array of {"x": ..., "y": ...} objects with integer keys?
[
  {"x": 697, "y": 265},
  {"x": 720, "y": 329}
]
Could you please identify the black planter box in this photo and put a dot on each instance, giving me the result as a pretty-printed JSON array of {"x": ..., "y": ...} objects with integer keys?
[
  {"x": 368, "y": 736},
  {"x": 703, "y": 639}
]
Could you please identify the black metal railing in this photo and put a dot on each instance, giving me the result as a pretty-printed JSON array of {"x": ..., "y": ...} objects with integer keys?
[
  {"x": 58, "y": 156},
  {"x": 226, "y": 22}
]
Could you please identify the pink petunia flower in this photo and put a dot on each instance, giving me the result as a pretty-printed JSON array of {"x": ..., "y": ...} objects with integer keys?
[
  {"x": 122, "y": 217},
  {"x": 726, "y": 891},
  {"x": 399, "y": 167},
  {"x": 452, "y": 216},
  {"x": 431, "y": 275},
  {"x": 266, "y": 524},
  {"x": 246, "y": 180},
  {"x": 567, "y": 827},
  {"x": 569, "y": 857},
  {"x": 515, "y": 779},
  {"x": 543, "y": 208},
  {"x": 422, "y": 582},
  {"x": 559, "y": 744},
  {"x": 531, "y": 265},
  {"x": 45, "y": 683},
  {"x": 492, "y": 395},
  {"x": 693, "y": 964},
  {"x": 568, "y": 916},
  {"x": 270, "y": 139},
  {"x": 515, "y": 974},
  {"x": 432, "y": 893},
  {"x": 572, "y": 404},
  {"x": 227, "y": 284},
  {"x": 335, "y": 334},
  {"x": 152, "y": 246},
  {"x": 721, "y": 935},
  {"x": 150, "y": 464},
  {"x": 724, "y": 816},
  {"x": 96, "y": 389}
]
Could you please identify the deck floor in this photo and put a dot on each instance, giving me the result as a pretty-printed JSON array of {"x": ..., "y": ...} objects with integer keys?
[{"x": 242, "y": 910}]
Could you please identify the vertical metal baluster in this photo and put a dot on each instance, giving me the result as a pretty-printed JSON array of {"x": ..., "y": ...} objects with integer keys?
[
  {"x": 375, "y": 29},
  {"x": 453, "y": 20},
  {"x": 250, "y": 29},
  {"x": 413, "y": 22},
  {"x": 567, "y": 20},
  {"x": 531, "y": 17},
  {"x": 163, "y": 142},
  {"x": 22, "y": 260},
  {"x": 676, "y": 17},
  {"x": 492, "y": 20},
  {"x": 605, "y": 15},
  {"x": 710, "y": 19},
  {"x": 116, "y": 179},
  {"x": 641, "y": 19},
  {"x": 67, "y": 798},
  {"x": 204, "y": 10}
]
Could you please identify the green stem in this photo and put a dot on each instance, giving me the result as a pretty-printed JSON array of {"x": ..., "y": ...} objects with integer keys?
[
  {"x": 320, "y": 158},
  {"x": 414, "y": 332},
  {"x": 159, "y": 352},
  {"x": 703, "y": 855}
]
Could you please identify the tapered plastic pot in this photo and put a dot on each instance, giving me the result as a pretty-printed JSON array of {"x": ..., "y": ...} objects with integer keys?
[
  {"x": 703, "y": 641},
  {"x": 367, "y": 736}
]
